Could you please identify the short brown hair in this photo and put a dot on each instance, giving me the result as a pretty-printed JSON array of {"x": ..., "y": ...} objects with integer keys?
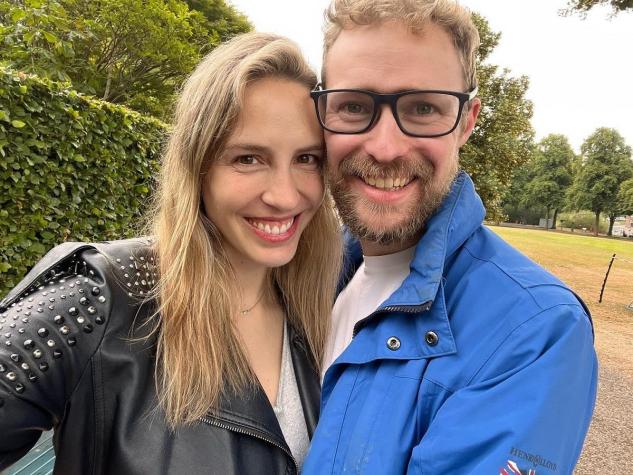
[{"x": 455, "y": 19}]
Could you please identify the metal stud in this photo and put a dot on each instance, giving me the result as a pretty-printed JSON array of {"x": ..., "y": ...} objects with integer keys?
[
  {"x": 95, "y": 291},
  {"x": 73, "y": 311},
  {"x": 393, "y": 343},
  {"x": 16, "y": 358},
  {"x": 19, "y": 388},
  {"x": 431, "y": 338},
  {"x": 92, "y": 310},
  {"x": 11, "y": 376},
  {"x": 31, "y": 376},
  {"x": 88, "y": 328},
  {"x": 84, "y": 301},
  {"x": 29, "y": 344},
  {"x": 58, "y": 319},
  {"x": 51, "y": 343},
  {"x": 43, "y": 332},
  {"x": 80, "y": 319},
  {"x": 43, "y": 366},
  {"x": 24, "y": 366},
  {"x": 57, "y": 354},
  {"x": 101, "y": 299},
  {"x": 100, "y": 320},
  {"x": 71, "y": 341},
  {"x": 3, "y": 368},
  {"x": 37, "y": 354},
  {"x": 64, "y": 330}
]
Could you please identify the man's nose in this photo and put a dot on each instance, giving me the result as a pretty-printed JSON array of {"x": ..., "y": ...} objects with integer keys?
[
  {"x": 282, "y": 190},
  {"x": 385, "y": 141}
]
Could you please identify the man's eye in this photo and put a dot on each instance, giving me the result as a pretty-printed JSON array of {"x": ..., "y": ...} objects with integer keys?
[
  {"x": 424, "y": 108},
  {"x": 352, "y": 108}
]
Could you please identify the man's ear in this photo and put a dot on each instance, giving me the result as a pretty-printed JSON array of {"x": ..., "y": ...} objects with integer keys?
[{"x": 469, "y": 120}]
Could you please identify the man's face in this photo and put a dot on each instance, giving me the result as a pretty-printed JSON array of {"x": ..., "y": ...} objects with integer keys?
[{"x": 385, "y": 183}]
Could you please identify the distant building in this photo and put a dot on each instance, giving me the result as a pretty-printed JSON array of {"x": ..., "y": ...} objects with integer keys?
[{"x": 623, "y": 226}]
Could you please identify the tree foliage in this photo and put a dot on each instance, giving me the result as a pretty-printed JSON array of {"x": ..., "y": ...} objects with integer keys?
[
  {"x": 133, "y": 52},
  {"x": 550, "y": 174},
  {"x": 606, "y": 164},
  {"x": 625, "y": 196},
  {"x": 503, "y": 138},
  {"x": 583, "y": 6}
]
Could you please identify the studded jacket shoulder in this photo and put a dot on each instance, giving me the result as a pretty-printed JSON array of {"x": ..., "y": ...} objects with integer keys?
[{"x": 75, "y": 356}]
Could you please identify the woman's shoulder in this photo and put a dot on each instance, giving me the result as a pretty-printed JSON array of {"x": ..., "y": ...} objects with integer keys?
[
  {"x": 128, "y": 262},
  {"x": 54, "y": 320}
]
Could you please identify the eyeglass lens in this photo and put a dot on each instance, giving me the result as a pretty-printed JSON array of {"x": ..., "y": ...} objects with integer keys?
[{"x": 420, "y": 113}]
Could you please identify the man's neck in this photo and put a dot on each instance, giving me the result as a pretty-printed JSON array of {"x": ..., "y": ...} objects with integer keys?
[{"x": 372, "y": 248}]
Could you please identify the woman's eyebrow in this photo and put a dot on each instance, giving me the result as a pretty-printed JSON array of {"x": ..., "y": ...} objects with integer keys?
[{"x": 247, "y": 147}]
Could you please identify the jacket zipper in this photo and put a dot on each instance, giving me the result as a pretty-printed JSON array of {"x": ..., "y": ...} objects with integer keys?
[
  {"x": 396, "y": 308},
  {"x": 242, "y": 430}
]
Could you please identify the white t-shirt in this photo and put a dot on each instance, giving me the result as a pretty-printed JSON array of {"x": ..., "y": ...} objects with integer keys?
[{"x": 375, "y": 280}]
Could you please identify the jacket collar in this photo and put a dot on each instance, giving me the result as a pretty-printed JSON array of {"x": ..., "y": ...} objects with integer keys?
[
  {"x": 252, "y": 412},
  {"x": 459, "y": 215}
]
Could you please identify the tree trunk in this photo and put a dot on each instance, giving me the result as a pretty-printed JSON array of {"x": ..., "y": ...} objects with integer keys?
[
  {"x": 596, "y": 223},
  {"x": 554, "y": 220},
  {"x": 611, "y": 223},
  {"x": 106, "y": 93}
]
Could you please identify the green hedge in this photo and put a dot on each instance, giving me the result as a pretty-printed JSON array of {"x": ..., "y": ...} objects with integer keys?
[{"x": 71, "y": 168}]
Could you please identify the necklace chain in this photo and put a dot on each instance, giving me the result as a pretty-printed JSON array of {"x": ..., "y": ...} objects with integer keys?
[{"x": 247, "y": 310}]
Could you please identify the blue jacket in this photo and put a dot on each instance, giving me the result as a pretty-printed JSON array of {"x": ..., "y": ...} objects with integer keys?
[{"x": 480, "y": 363}]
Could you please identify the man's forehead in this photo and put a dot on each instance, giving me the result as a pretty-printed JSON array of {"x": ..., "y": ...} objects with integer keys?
[{"x": 389, "y": 57}]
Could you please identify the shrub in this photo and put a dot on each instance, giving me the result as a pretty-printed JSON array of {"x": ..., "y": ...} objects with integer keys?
[{"x": 71, "y": 168}]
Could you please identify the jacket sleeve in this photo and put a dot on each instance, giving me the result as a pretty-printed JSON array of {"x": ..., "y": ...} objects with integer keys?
[
  {"x": 526, "y": 410},
  {"x": 50, "y": 326}
]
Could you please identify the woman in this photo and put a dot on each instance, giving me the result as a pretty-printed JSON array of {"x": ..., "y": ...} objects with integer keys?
[{"x": 195, "y": 352}]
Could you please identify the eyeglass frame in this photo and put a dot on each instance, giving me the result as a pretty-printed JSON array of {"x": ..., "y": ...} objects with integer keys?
[{"x": 391, "y": 99}]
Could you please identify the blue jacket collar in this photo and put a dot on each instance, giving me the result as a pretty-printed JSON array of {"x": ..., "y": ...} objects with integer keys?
[{"x": 459, "y": 215}]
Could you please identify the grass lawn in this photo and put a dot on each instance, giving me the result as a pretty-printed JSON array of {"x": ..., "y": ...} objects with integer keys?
[{"x": 581, "y": 261}]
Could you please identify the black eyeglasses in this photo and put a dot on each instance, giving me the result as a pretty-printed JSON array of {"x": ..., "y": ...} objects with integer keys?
[{"x": 418, "y": 113}]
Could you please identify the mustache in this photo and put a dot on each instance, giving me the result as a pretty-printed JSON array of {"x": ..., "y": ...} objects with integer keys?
[{"x": 364, "y": 166}]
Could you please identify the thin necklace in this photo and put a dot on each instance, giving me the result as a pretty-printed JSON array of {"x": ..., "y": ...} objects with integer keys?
[{"x": 247, "y": 310}]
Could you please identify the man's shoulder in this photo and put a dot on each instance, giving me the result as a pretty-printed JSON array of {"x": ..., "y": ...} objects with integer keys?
[{"x": 498, "y": 271}]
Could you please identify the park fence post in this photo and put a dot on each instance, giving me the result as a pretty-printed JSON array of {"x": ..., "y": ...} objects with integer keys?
[{"x": 606, "y": 277}]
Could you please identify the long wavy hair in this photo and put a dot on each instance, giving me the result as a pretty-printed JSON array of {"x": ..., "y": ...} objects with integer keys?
[{"x": 199, "y": 354}]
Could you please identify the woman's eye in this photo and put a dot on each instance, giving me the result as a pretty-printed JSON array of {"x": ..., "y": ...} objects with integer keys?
[
  {"x": 309, "y": 159},
  {"x": 246, "y": 160}
]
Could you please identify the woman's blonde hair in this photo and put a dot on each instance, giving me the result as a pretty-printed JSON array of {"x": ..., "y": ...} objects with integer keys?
[
  {"x": 416, "y": 15},
  {"x": 199, "y": 353}
]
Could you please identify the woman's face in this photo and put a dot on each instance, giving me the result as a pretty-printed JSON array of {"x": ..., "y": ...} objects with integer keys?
[{"x": 266, "y": 186}]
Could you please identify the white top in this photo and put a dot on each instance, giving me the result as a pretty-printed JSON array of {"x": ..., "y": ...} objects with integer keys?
[
  {"x": 288, "y": 408},
  {"x": 374, "y": 281}
]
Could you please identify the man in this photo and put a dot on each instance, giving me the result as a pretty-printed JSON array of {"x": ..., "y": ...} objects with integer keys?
[{"x": 451, "y": 352}]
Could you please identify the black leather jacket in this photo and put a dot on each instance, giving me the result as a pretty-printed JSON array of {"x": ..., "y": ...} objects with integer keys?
[{"x": 71, "y": 358}]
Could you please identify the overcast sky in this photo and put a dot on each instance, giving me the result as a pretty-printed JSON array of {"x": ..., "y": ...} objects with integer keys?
[{"x": 580, "y": 70}]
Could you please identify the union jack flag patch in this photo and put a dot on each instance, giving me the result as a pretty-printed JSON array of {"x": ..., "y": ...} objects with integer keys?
[{"x": 513, "y": 469}]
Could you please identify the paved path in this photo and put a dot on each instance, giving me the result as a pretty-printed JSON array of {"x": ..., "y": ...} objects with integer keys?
[{"x": 609, "y": 444}]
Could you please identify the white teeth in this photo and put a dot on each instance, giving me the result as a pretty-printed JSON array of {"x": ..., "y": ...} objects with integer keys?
[
  {"x": 389, "y": 183},
  {"x": 274, "y": 229}
]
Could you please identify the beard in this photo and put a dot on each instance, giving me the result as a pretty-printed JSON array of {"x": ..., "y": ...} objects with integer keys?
[{"x": 380, "y": 228}]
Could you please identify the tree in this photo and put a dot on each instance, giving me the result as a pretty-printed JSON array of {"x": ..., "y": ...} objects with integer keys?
[
  {"x": 550, "y": 175},
  {"x": 583, "y": 6},
  {"x": 503, "y": 138},
  {"x": 606, "y": 164},
  {"x": 625, "y": 196},
  {"x": 221, "y": 18},
  {"x": 134, "y": 52}
]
